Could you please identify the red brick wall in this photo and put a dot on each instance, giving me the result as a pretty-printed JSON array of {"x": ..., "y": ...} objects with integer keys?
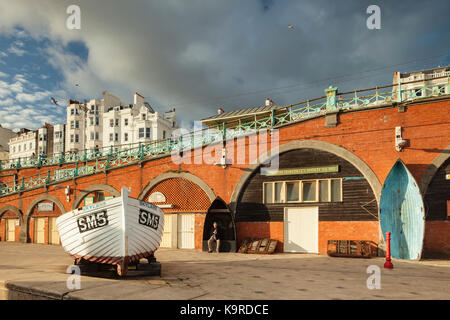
[
  {"x": 328, "y": 230},
  {"x": 3, "y": 229},
  {"x": 272, "y": 230},
  {"x": 370, "y": 135},
  {"x": 346, "y": 230},
  {"x": 437, "y": 238},
  {"x": 199, "y": 224}
]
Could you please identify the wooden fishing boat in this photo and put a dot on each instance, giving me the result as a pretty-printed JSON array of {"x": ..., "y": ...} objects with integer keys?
[
  {"x": 402, "y": 213},
  {"x": 119, "y": 232}
]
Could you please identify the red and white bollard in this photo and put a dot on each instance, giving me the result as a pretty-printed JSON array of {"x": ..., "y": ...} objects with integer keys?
[{"x": 388, "y": 264}]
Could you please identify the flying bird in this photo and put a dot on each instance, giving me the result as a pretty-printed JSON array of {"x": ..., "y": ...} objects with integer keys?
[
  {"x": 290, "y": 26},
  {"x": 54, "y": 101},
  {"x": 77, "y": 85}
]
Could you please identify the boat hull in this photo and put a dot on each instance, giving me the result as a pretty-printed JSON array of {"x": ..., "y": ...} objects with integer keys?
[
  {"x": 119, "y": 231},
  {"x": 402, "y": 213}
]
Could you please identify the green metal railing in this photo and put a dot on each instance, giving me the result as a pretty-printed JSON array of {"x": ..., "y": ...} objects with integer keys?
[{"x": 89, "y": 162}]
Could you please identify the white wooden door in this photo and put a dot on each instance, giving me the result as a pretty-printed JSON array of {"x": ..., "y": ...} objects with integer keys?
[
  {"x": 186, "y": 231},
  {"x": 11, "y": 229},
  {"x": 166, "y": 241},
  {"x": 301, "y": 229},
  {"x": 39, "y": 236},
  {"x": 53, "y": 235}
]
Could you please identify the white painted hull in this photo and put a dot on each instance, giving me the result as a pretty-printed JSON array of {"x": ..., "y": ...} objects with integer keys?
[{"x": 118, "y": 231}]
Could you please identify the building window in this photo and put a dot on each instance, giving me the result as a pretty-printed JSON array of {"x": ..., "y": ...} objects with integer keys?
[
  {"x": 141, "y": 132},
  {"x": 24, "y": 147},
  {"x": 19, "y": 148},
  {"x": 336, "y": 190},
  {"x": 91, "y": 121},
  {"x": 72, "y": 124},
  {"x": 77, "y": 124},
  {"x": 125, "y": 137},
  {"x": 92, "y": 135},
  {"x": 126, "y": 122},
  {"x": 111, "y": 123},
  {"x": 116, "y": 137},
  {"x": 97, "y": 121},
  {"x": 117, "y": 122},
  {"x": 147, "y": 133},
  {"x": 324, "y": 190},
  {"x": 321, "y": 190},
  {"x": 77, "y": 138},
  {"x": 309, "y": 191},
  {"x": 111, "y": 137},
  {"x": 268, "y": 192},
  {"x": 96, "y": 136},
  {"x": 143, "y": 116},
  {"x": 71, "y": 138},
  {"x": 292, "y": 191},
  {"x": 164, "y": 134}
]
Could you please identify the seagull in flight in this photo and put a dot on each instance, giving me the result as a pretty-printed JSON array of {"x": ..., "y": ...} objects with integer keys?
[
  {"x": 290, "y": 26},
  {"x": 54, "y": 101}
]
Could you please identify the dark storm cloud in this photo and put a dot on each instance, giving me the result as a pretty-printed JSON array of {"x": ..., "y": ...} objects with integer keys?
[{"x": 198, "y": 55}]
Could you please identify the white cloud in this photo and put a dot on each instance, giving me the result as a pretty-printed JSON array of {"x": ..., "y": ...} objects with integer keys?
[
  {"x": 32, "y": 97},
  {"x": 2, "y": 54},
  {"x": 7, "y": 101},
  {"x": 20, "y": 78},
  {"x": 16, "y": 51},
  {"x": 3, "y": 75}
]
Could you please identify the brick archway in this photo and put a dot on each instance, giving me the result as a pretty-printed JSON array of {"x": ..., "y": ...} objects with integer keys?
[
  {"x": 25, "y": 229},
  {"x": 183, "y": 175},
  {"x": 432, "y": 169},
  {"x": 92, "y": 188},
  {"x": 310, "y": 144},
  {"x": 19, "y": 214}
]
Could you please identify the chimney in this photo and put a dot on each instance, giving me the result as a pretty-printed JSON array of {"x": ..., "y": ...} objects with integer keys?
[
  {"x": 220, "y": 111},
  {"x": 269, "y": 102},
  {"x": 138, "y": 98}
]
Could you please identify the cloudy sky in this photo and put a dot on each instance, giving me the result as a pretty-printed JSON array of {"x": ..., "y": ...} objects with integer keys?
[{"x": 198, "y": 55}]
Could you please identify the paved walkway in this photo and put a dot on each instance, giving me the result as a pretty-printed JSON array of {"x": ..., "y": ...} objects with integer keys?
[{"x": 38, "y": 271}]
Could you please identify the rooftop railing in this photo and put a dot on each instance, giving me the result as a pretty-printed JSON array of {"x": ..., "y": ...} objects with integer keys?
[{"x": 87, "y": 162}]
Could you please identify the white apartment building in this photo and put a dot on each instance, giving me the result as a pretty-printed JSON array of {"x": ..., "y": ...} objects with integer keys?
[
  {"x": 84, "y": 127},
  {"x": 109, "y": 122},
  {"x": 45, "y": 140},
  {"x": 58, "y": 138},
  {"x": 24, "y": 145},
  {"x": 433, "y": 79},
  {"x": 137, "y": 122},
  {"x": 5, "y": 136}
]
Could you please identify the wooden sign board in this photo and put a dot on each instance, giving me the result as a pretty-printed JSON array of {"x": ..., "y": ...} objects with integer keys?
[{"x": 305, "y": 170}]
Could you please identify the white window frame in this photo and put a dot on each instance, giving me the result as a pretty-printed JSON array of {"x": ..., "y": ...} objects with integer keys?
[{"x": 300, "y": 190}]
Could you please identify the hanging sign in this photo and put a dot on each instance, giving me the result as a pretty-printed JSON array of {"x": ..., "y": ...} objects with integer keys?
[{"x": 305, "y": 170}]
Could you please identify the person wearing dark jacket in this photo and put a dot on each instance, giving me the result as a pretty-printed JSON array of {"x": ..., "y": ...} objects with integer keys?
[{"x": 214, "y": 238}]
